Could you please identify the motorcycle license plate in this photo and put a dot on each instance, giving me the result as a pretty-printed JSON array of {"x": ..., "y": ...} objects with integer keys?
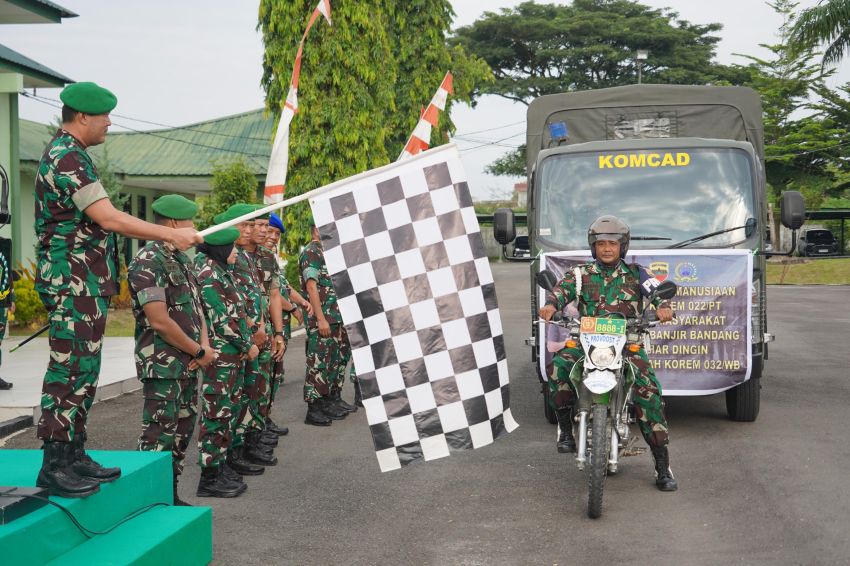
[{"x": 598, "y": 325}]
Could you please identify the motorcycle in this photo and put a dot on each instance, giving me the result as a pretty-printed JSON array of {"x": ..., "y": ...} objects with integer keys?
[{"x": 603, "y": 380}]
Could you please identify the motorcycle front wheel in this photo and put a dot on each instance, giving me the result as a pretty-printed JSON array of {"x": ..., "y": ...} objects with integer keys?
[{"x": 597, "y": 466}]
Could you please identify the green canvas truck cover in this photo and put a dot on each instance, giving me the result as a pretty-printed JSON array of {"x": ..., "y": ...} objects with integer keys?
[{"x": 646, "y": 111}]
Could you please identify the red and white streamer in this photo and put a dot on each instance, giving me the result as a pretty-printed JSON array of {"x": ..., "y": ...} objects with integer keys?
[
  {"x": 421, "y": 138},
  {"x": 279, "y": 162}
]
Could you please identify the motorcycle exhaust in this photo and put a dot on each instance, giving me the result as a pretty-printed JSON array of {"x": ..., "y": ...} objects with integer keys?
[{"x": 581, "y": 452}]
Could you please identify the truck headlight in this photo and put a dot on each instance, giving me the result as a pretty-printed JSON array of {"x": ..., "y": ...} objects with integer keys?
[{"x": 602, "y": 357}]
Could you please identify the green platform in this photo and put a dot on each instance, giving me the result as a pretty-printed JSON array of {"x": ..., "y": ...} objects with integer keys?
[{"x": 48, "y": 535}]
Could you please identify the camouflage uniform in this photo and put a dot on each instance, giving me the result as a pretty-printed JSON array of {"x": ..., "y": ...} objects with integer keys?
[
  {"x": 326, "y": 357},
  {"x": 75, "y": 277},
  {"x": 268, "y": 273},
  {"x": 278, "y": 370},
  {"x": 222, "y": 381},
  {"x": 604, "y": 290},
  {"x": 161, "y": 273},
  {"x": 245, "y": 275}
]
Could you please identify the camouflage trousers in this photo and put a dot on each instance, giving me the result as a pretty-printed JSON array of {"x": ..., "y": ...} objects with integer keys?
[
  {"x": 168, "y": 416},
  {"x": 76, "y": 332},
  {"x": 4, "y": 320},
  {"x": 276, "y": 376},
  {"x": 327, "y": 359},
  {"x": 221, "y": 403},
  {"x": 256, "y": 393},
  {"x": 649, "y": 405}
]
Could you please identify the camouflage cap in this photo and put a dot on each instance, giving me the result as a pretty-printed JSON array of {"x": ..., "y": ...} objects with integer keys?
[
  {"x": 276, "y": 222},
  {"x": 177, "y": 207},
  {"x": 88, "y": 98},
  {"x": 222, "y": 237}
]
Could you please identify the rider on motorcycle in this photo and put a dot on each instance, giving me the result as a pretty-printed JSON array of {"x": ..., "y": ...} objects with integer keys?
[{"x": 610, "y": 285}]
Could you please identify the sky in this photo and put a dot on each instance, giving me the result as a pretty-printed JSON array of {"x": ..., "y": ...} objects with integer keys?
[{"x": 177, "y": 63}]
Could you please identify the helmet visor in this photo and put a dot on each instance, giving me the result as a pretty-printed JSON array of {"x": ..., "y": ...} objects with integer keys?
[{"x": 607, "y": 237}]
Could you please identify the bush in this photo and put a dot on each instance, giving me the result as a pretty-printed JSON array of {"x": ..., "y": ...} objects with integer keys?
[{"x": 29, "y": 311}]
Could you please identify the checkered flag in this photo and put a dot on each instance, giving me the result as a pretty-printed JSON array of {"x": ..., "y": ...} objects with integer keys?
[{"x": 404, "y": 250}]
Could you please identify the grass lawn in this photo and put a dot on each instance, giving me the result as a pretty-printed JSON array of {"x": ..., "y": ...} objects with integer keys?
[
  {"x": 119, "y": 322},
  {"x": 810, "y": 272}
]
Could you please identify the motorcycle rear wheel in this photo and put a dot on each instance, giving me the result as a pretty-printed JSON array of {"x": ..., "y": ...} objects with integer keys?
[{"x": 597, "y": 466}]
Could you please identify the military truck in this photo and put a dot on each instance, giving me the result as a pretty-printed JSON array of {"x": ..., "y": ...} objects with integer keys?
[{"x": 682, "y": 165}]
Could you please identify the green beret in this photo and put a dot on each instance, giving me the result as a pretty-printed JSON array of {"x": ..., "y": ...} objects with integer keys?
[
  {"x": 235, "y": 211},
  {"x": 88, "y": 98},
  {"x": 222, "y": 237},
  {"x": 262, "y": 216},
  {"x": 177, "y": 207},
  {"x": 311, "y": 221}
]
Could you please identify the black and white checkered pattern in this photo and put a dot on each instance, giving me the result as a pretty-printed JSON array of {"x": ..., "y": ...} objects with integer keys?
[{"x": 416, "y": 293}]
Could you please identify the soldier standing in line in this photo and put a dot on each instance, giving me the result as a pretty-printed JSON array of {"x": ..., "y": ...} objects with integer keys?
[
  {"x": 221, "y": 385},
  {"x": 268, "y": 272},
  {"x": 290, "y": 301},
  {"x": 77, "y": 266},
  {"x": 5, "y": 311},
  {"x": 326, "y": 337},
  {"x": 251, "y": 422},
  {"x": 172, "y": 343}
]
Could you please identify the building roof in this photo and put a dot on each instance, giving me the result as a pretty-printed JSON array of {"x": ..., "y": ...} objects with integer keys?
[
  {"x": 35, "y": 74},
  {"x": 187, "y": 151},
  {"x": 32, "y": 12}
]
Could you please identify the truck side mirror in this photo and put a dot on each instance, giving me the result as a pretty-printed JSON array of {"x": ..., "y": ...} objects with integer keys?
[
  {"x": 793, "y": 210},
  {"x": 504, "y": 228}
]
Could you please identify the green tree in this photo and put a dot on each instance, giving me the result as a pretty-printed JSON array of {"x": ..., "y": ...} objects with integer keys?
[
  {"x": 799, "y": 144},
  {"x": 363, "y": 83},
  {"x": 232, "y": 181},
  {"x": 826, "y": 23},
  {"x": 538, "y": 49},
  {"x": 418, "y": 33}
]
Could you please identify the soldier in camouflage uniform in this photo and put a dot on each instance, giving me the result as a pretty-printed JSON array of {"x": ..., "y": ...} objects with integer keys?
[
  {"x": 76, "y": 275},
  {"x": 251, "y": 422},
  {"x": 172, "y": 343},
  {"x": 5, "y": 311},
  {"x": 268, "y": 272},
  {"x": 221, "y": 385},
  {"x": 327, "y": 343},
  {"x": 609, "y": 285},
  {"x": 291, "y": 300}
]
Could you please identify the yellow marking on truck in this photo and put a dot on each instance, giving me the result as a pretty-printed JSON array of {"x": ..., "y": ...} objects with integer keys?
[{"x": 638, "y": 160}]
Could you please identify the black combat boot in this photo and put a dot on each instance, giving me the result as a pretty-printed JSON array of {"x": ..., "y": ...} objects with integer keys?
[
  {"x": 268, "y": 438},
  {"x": 315, "y": 415},
  {"x": 254, "y": 452},
  {"x": 177, "y": 501},
  {"x": 214, "y": 484},
  {"x": 664, "y": 479},
  {"x": 566, "y": 441},
  {"x": 236, "y": 460},
  {"x": 85, "y": 467},
  {"x": 278, "y": 430},
  {"x": 331, "y": 410},
  {"x": 358, "y": 395},
  {"x": 336, "y": 399},
  {"x": 230, "y": 473},
  {"x": 57, "y": 476}
]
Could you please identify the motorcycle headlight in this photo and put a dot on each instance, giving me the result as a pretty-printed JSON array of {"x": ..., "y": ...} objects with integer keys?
[{"x": 603, "y": 357}]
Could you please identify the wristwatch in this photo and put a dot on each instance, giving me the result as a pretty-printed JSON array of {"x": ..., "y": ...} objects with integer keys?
[
  {"x": 278, "y": 333},
  {"x": 201, "y": 353},
  {"x": 293, "y": 309}
]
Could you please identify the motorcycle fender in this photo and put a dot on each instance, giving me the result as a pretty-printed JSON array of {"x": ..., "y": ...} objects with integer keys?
[{"x": 601, "y": 399}]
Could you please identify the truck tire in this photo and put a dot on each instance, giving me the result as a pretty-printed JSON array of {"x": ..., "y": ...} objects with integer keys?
[
  {"x": 548, "y": 411},
  {"x": 597, "y": 465},
  {"x": 742, "y": 402}
]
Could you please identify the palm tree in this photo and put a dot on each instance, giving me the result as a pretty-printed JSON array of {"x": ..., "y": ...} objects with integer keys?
[{"x": 826, "y": 23}]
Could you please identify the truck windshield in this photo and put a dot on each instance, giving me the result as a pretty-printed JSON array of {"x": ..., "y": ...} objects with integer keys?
[{"x": 674, "y": 194}]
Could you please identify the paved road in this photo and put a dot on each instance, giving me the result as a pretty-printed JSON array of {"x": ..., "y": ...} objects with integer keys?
[{"x": 769, "y": 492}]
